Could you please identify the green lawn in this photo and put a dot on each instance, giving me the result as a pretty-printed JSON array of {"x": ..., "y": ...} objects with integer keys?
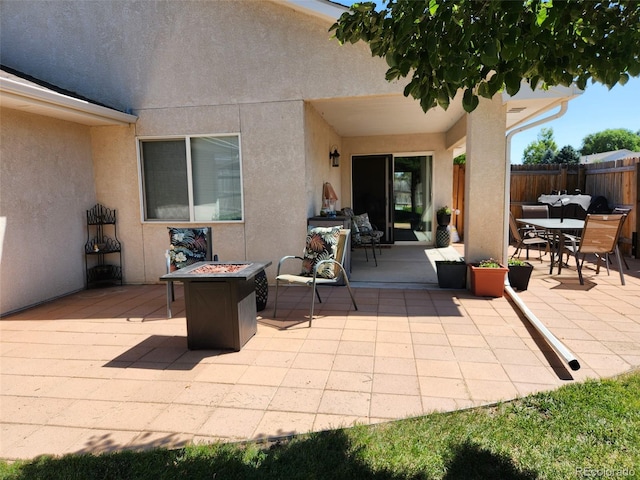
[{"x": 585, "y": 430}]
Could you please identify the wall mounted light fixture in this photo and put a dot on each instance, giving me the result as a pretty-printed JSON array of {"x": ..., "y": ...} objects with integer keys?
[{"x": 334, "y": 156}]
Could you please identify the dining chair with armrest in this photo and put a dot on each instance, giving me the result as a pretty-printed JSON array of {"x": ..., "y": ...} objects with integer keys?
[
  {"x": 526, "y": 239},
  {"x": 322, "y": 264},
  {"x": 599, "y": 237},
  {"x": 622, "y": 211}
]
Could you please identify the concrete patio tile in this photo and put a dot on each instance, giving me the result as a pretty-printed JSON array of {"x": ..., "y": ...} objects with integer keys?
[
  {"x": 349, "y": 381},
  {"x": 345, "y": 403},
  {"x": 425, "y": 328},
  {"x": 31, "y": 410},
  {"x": 483, "y": 371},
  {"x": 438, "y": 368},
  {"x": 348, "y": 347},
  {"x": 399, "y": 366},
  {"x": 40, "y": 440},
  {"x": 353, "y": 363},
  {"x": 129, "y": 416},
  {"x": 318, "y": 361},
  {"x": 305, "y": 378},
  {"x": 385, "y": 336},
  {"x": 252, "y": 397},
  {"x": 288, "y": 399},
  {"x": 271, "y": 358},
  {"x": 320, "y": 346},
  {"x": 433, "y": 352},
  {"x": 280, "y": 424},
  {"x": 394, "y": 350},
  {"x": 517, "y": 356},
  {"x": 439, "y": 404},
  {"x": 232, "y": 423},
  {"x": 359, "y": 335},
  {"x": 396, "y": 384},
  {"x": 491, "y": 390},
  {"x": 181, "y": 418},
  {"x": 474, "y": 354},
  {"x": 263, "y": 375},
  {"x": 392, "y": 406},
  {"x": 27, "y": 385},
  {"x": 220, "y": 373},
  {"x": 443, "y": 387},
  {"x": 467, "y": 341},
  {"x": 203, "y": 393},
  {"x": 542, "y": 374}
]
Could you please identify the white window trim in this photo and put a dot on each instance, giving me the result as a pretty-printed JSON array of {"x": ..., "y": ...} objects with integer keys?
[{"x": 141, "y": 195}]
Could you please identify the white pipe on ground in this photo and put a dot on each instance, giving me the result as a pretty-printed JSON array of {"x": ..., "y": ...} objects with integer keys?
[{"x": 556, "y": 344}]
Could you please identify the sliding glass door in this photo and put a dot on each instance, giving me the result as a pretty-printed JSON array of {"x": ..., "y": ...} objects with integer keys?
[
  {"x": 412, "y": 209},
  {"x": 396, "y": 193}
]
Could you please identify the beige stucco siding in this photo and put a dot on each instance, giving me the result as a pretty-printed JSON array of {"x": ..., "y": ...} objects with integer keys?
[
  {"x": 46, "y": 186},
  {"x": 159, "y": 54}
]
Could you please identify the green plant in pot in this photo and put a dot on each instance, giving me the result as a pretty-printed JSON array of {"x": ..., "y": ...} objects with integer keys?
[
  {"x": 443, "y": 216},
  {"x": 487, "y": 278},
  {"x": 452, "y": 274},
  {"x": 519, "y": 273}
]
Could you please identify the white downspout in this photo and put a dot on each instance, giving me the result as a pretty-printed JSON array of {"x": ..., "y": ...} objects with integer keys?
[{"x": 556, "y": 344}]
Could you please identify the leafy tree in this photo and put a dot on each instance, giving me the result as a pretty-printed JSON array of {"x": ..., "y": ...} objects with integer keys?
[
  {"x": 483, "y": 46},
  {"x": 535, "y": 152},
  {"x": 568, "y": 155},
  {"x": 548, "y": 157},
  {"x": 609, "y": 140}
]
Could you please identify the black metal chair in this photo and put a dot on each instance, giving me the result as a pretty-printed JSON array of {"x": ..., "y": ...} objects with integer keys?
[{"x": 526, "y": 239}]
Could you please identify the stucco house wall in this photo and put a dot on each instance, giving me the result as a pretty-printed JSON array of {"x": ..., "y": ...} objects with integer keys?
[{"x": 45, "y": 185}]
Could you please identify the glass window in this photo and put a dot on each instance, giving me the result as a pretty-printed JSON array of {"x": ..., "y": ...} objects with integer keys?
[{"x": 195, "y": 179}]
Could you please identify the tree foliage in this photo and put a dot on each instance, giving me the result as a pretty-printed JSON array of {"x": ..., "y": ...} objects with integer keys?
[
  {"x": 483, "y": 46},
  {"x": 610, "y": 140},
  {"x": 567, "y": 155},
  {"x": 536, "y": 152}
]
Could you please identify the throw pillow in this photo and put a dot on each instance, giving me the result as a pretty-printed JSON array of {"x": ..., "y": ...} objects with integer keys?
[
  {"x": 363, "y": 223},
  {"x": 187, "y": 246},
  {"x": 321, "y": 244}
]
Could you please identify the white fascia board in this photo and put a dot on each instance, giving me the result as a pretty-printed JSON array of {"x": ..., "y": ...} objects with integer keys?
[
  {"x": 13, "y": 93},
  {"x": 324, "y": 9},
  {"x": 558, "y": 91}
]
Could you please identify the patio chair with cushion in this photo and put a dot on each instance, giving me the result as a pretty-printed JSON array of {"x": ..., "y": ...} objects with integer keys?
[
  {"x": 322, "y": 263},
  {"x": 526, "y": 238},
  {"x": 186, "y": 247},
  {"x": 364, "y": 234},
  {"x": 599, "y": 237}
]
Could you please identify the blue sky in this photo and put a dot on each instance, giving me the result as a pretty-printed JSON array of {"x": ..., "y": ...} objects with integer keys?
[{"x": 597, "y": 109}]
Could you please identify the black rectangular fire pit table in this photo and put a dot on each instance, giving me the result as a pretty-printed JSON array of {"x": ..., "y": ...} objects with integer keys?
[{"x": 220, "y": 302}]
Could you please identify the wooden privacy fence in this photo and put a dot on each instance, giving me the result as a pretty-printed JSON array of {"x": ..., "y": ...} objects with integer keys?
[{"x": 618, "y": 181}]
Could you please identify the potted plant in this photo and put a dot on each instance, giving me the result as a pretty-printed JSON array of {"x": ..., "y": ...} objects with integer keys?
[
  {"x": 487, "y": 278},
  {"x": 443, "y": 216},
  {"x": 519, "y": 273},
  {"x": 452, "y": 274}
]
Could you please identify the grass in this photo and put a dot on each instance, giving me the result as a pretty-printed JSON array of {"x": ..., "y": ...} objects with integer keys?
[{"x": 585, "y": 430}]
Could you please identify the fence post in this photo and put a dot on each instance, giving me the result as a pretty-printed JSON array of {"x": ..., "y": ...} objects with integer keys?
[
  {"x": 563, "y": 177},
  {"x": 582, "y": 179}
]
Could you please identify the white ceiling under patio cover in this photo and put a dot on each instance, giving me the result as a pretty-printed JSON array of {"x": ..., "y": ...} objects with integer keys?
[{"x": 398, "y": 115}]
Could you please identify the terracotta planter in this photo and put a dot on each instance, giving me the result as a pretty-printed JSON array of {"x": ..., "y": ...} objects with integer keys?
[
  {"x": 519, "y": 276},
  {"x": 486, "y": 281},
  {"x": 452, "y": 275}
]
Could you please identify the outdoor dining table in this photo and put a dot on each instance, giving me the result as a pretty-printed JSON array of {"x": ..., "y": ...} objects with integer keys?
[{"x": 557, "y": 227}]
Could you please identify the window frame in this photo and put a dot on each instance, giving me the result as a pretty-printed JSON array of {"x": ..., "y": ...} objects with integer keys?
[{"x": 187, "y": 144}]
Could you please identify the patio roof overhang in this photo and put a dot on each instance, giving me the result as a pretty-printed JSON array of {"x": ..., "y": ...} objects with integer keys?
[
  {"x": 399, "y": 115},
  {"x": 20, "y": 94}
]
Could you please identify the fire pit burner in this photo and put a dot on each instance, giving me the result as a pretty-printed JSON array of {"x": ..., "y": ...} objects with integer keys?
[{"x": 220, "y": 268}]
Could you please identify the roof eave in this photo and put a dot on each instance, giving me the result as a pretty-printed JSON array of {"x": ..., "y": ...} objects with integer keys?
[{"x": 36, "y": 99}]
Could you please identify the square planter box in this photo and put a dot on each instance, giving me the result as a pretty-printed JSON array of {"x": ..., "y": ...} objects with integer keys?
[
  {"x": 451, "y": 274},
  {"x": 519, "y": 276},
  {"x": 487, "y": 282}
]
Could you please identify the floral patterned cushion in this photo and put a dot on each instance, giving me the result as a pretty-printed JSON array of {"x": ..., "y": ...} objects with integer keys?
[
  {"x": 322, "y": 244},
  {"x": 187, "y": 246},
  {"x": 363, "y": 223}
]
